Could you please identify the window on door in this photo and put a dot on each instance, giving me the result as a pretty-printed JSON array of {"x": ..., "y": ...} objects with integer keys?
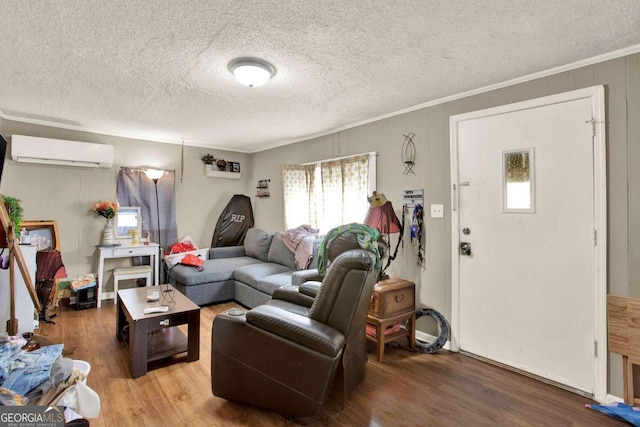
[
  {"x": 518, "y": 192},
  {"x": 328, "y": 193}
]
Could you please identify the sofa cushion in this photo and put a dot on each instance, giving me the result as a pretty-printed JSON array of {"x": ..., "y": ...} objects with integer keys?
[
  {"x": 250, "y": 274},
  {"x": 271, "y": 283},
  {"x": 257, "y": 243},
  {"x": 226, "y": 252},
  {"x": 280, "y": 254},
  {"x": 214, "y": 270}
]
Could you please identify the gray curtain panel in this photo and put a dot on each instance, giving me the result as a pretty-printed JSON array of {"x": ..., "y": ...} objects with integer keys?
[{"x": 134, "y": 188}]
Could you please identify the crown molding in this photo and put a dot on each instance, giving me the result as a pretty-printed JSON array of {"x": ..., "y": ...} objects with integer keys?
[{"x": 545, "y": 73}]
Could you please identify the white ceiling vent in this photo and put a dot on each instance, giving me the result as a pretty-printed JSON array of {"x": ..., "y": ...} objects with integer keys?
[{"x": 31, "y": 149}]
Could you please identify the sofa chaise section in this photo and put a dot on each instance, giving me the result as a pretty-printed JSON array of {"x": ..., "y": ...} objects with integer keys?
[
  {"x": 249, "y": 273},
  {"x": 215, "y": 282}
]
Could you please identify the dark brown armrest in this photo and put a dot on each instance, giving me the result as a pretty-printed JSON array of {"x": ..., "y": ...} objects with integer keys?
[
  {"x": 291, "y": 294},
  {"x": 310, "y": 289},
  {"x": 300, "y": 329},
  {"x": 299, "y": 277}
]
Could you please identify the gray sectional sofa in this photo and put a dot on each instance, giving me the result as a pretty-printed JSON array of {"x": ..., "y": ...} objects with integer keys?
[{"x": 248, "y": 274}]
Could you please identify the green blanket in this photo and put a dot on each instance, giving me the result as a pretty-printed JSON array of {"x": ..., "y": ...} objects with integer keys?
[{"x": 367, "y": 239}]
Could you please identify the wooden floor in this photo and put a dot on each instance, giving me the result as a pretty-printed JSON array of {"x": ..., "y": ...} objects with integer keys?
[{"x": 408, "y": 389}]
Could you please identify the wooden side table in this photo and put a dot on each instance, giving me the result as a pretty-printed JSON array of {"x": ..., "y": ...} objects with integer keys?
[{"x": 393, "y": 302}]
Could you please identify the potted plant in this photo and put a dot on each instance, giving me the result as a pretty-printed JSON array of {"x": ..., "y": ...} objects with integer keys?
[
  {"x": 15, "y": 215},
  {"x": 208, "y": 161}
]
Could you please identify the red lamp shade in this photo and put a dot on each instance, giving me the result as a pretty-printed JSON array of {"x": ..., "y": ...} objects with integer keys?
[{"x": 384, "y": 219}]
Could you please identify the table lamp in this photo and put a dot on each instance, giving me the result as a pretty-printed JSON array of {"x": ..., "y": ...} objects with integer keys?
[{"x": 382, "y": 216}]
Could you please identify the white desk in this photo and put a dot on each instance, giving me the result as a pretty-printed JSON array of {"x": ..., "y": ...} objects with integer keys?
[{"x": 127, "y": 251}]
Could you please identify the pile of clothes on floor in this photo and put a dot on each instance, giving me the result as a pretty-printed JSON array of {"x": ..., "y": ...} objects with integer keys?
[{"x": 37, "y": 375}]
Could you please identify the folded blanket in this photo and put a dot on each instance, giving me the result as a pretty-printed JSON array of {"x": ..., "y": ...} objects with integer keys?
[{"x": 299, "y": 240}]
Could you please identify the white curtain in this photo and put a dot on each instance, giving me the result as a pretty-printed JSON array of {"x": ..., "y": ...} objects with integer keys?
[
  {"x": 329, "y": 193},
  {"x": 298, "y": 190}
]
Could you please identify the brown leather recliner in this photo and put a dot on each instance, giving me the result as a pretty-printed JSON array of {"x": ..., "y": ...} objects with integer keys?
[
  {"x": 286, "y": 361},
  {"x": 299, "y": 299}
]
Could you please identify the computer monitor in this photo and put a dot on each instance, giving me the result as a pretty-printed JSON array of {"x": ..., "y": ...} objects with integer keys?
[{"x": 128, "y": 218}]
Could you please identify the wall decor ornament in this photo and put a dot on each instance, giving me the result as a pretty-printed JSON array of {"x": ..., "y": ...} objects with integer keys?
[
  {"x": 408, "y": 153},
  {"x": 263, "y": 188}
]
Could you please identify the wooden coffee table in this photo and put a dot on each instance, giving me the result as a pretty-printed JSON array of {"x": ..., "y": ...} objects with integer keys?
[{"x": 155, "y": 336}]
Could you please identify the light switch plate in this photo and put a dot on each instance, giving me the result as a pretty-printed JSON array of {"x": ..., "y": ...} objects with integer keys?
[{"x": 437, "y": 211}]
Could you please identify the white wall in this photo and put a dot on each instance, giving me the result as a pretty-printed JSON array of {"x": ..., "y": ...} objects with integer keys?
[
  {"x": 65, "y": 194},
  {"x": 621, "y": 78}
]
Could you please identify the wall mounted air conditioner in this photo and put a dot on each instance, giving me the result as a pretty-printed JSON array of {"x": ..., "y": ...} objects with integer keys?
[{"x": 31, "y": 149}]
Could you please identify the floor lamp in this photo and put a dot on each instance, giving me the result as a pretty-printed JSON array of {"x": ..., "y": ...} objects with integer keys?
[{"x": 155, "y": 175}]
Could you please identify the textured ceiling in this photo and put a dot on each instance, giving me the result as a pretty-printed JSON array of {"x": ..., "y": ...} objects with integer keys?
[{"x": 157, "y": 70}]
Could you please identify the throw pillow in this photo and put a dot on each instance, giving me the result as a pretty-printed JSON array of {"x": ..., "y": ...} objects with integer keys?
[
  {"x": 280, "y": 254},
  {"x": 257, "y": 243}
]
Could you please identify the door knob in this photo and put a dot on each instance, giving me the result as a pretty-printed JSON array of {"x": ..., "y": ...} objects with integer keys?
[{"x": 465, "y": 249}]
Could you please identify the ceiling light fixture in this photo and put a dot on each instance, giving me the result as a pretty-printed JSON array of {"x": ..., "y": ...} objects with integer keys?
[{"x": 252, "y": 72}]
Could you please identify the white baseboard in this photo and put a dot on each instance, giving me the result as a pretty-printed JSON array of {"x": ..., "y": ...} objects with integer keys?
[
  {"x": 106, "y": 295},
  {"x": 613, "y": 399}
]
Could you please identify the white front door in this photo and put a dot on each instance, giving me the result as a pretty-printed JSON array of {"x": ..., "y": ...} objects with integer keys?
[{"x": 527, "y": 214}]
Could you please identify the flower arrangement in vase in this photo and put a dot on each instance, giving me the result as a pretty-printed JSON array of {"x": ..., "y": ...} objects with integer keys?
[{"x": 107, "y": 209}]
